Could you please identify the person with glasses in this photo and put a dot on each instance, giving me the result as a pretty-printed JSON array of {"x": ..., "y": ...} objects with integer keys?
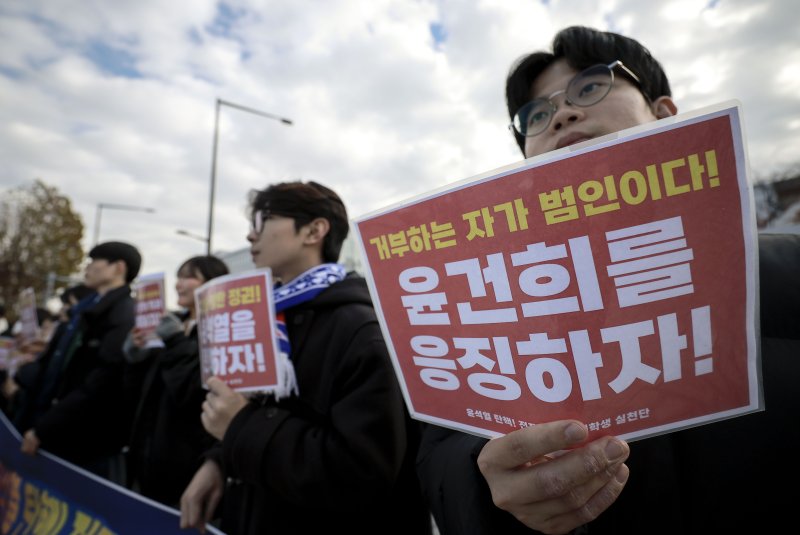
[
  {"x": 714, "y": 478},
  {"x": 337, "y": 455}
]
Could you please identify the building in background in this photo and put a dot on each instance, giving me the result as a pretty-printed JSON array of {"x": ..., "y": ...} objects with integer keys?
[{"x": 778, "y": 205}]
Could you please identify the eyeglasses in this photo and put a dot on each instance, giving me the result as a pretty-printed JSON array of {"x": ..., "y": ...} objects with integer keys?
[
  {"x": 586, "y": 88},
  {"x": 257, "y": 224}
]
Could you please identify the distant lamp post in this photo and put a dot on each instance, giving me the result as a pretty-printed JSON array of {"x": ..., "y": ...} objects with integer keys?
[
  {"x": 110, "y": 206},
  {"x": 221, "y": 103},
  {"x": 191, "y": 235}
]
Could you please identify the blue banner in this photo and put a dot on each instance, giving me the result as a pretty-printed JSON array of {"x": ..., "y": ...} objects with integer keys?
[{"x": 46, "y": 495}]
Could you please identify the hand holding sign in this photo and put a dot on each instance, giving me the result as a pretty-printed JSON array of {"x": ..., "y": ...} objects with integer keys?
[
  {"x": 221, "y": 405},
  {"x": 522, "y": 476}
]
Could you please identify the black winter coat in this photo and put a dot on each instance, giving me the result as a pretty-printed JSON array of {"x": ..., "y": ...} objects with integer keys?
[
  {"x": 167, "y": 439},
  {"x": 85, "y": 421},
  {"x": 717, "y": 478},
  {"x": 338, "y": 458}
]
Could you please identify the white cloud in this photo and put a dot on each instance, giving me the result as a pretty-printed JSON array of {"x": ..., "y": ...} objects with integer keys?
[{"x": 381, "y": 111}]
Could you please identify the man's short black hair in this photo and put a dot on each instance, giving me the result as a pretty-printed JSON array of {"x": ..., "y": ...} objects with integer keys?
[
  {"x": 583, "y": 47},
  {"x": 304, "y": 202},
  {"x": 117, "y": 250}
]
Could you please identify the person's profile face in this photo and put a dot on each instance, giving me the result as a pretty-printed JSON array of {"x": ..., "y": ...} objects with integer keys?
[
  {"x": 622, "y": 108},
  {"x": 99, "y": 272},
  {"x": 185, "y": 285},
  {"x": 278, "y": 246}
]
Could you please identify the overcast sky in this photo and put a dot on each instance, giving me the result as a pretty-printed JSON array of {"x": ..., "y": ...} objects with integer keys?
[{"x": 113, "y": 102}]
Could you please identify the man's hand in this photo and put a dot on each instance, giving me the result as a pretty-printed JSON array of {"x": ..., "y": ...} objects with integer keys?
[
  {"x": 554, "y": 493},
  {"x": 202, "y": 496},
  {"x": 30, "y": 442},
  {"x": 221, "y": 405},
  {"x": 10, "y": 387},
  {"x": 33, "y": 347}
]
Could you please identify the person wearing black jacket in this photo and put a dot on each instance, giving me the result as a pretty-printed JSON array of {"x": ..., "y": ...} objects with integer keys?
[
  {"x": 708, "y": 479},
  {"x": 25, "y": 376},
  {"x": 165, "y": 394},
  {"x": 715, "y": 478},
  {"x": 77, "y": 407},
  {"x": 338, "y": 455}
]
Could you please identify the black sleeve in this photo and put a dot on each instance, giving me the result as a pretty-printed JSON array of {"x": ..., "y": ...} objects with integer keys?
[
  {"x": 456, "y": 491},
  {"x": 101, "y": 391},
  {"x": 344, "y": 461}
]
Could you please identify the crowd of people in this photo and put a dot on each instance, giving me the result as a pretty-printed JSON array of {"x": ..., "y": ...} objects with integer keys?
[{"x": 342, "y": 452}]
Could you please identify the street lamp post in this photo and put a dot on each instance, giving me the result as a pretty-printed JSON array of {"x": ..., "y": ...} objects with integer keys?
[
  {"x": 191, "y": 235},
  {"x": 254, "y": 111},
  {"x": 111, "y": 206}
]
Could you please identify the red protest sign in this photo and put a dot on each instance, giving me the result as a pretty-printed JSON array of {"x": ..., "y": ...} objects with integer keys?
[
  {"x": 150, "y": 298},
  {"x": 611, "y": 283},
  {"x": 236, "y": 322}
]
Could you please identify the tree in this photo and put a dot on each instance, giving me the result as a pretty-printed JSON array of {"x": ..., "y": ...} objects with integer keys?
[{"x": 40, "y": 238}]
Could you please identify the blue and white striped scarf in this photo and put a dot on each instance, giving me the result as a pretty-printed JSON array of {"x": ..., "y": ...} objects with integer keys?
[{"x": 301, "y": 289}]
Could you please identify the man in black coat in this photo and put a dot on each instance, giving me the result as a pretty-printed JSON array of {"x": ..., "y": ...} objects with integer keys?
[
  {"x": 337, "y": 455},
  {"x": 74, "y": 408},
  {"x": 715, "y": 478}
]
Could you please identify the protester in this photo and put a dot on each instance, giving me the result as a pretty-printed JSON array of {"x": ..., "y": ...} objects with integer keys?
[
  {"x": 24, "y": 375},
  {"x": 167, "y": 439},
  {"x": 74, "y": 407},
  {"x": 23, "y": 354},
  {"x": 714, "y": 478},
  {"x": 339, "y": 455}
]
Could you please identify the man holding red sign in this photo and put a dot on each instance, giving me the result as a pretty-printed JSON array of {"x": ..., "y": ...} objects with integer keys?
[
  {"x": 705, "y": 479},
  {"x": 338, "y": 455}
]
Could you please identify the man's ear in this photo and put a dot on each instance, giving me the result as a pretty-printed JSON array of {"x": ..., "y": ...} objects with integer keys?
[
  {"x": 317, "y": 230},
  {"x": 664, "y": 106},
  {"x": 121, "y": 269}
]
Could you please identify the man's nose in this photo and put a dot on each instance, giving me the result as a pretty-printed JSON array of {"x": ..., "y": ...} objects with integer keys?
[{"x": 565, "y": 113}]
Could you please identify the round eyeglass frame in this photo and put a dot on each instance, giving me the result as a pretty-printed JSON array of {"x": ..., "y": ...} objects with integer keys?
[
  {"x": 257, "y": 223},
  {"x": 573, "y": 97}
]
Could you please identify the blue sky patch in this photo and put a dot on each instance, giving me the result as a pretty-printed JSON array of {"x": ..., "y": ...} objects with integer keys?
[
  {"x": 195, "y": 36},
  {"x": 225, "y": 20},
  {"x": 9, "y": 72},
  {"x": 439, "y": 33},
  {"x": 224, "y": 26},
  {"x": 113, "y": 60}
]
